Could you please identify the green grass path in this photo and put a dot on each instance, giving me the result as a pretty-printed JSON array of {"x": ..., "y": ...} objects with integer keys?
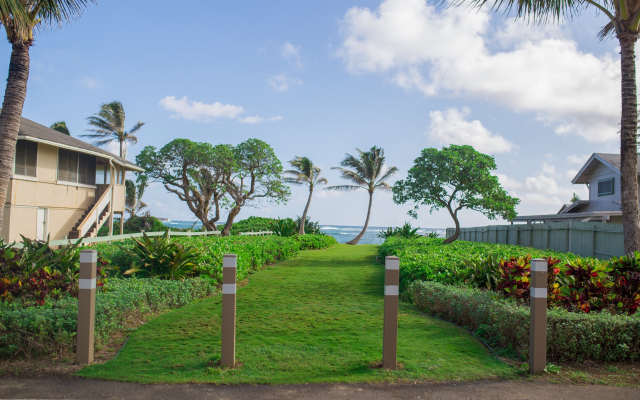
[{"x": 317, "y": 318}]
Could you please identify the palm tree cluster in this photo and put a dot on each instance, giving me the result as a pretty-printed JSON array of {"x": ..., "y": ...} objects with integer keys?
[
  {"x": 366, "y": 171},
  {"x": 108, "y": 126}
]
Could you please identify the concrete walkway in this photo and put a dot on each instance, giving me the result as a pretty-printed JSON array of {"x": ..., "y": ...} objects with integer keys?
[{"x": 78, "y": 388}]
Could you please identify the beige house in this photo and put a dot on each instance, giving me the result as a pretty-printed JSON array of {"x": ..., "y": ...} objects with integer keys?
[{"x": 62, "y": 187}]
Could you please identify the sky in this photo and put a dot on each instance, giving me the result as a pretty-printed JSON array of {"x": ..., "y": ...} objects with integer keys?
[{"x": 320, "y": 79}]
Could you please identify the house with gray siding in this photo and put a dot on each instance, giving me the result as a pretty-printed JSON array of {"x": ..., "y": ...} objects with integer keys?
[{"x": 601, "y": 174}]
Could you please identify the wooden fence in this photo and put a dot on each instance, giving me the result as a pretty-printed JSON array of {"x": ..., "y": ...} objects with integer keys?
[
  {"x": 113, "y": 238},
  {"x": 587, "y": 239}
]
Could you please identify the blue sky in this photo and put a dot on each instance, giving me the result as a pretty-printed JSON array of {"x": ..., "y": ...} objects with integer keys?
[{"x": 319, "y": 79}]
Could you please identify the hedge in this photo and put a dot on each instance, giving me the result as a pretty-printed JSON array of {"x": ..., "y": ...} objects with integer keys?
[{"x": 572, "y": 337}]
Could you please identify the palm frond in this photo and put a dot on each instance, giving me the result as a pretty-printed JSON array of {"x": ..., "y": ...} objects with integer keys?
[
  {"x": 607, "y": 31},
  {"x": 351, "y": 176},
  {"x": 390, "y": 172},
  {"x": 292, "y": 181},
  {"x": 102, "y": 142},
  {"x": 135, "y": 128},
  {"x": 344, "y": 188},
  {"x": 59, "y": 11}
]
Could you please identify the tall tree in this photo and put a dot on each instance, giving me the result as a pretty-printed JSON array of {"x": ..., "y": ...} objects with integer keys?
[
  {"x": 255, "y": 175},
  {"x": 133, "y": 194},
  {"x": 623, "y": 22},
  {"x": 109, "y": 126},
  {"x": 366, "y": 172},
  {"x": 21, "y": 18},
  {"x": 193, "y": 171},
  {"x": 454, "y": 178},
  {"x": 304, "y": 174},
  {"x": 61, "y": 127}
]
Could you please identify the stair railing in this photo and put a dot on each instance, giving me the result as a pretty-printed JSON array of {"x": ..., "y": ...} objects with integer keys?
[{"x": 94, "y": 214}]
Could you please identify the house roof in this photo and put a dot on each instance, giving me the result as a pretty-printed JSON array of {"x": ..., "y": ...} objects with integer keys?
[
  {"x": 33, "y": 131},
  {"x": 610, "y": 160}
]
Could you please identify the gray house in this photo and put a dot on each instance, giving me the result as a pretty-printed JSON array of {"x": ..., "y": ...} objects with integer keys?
[{"x": 601, "y": 174}]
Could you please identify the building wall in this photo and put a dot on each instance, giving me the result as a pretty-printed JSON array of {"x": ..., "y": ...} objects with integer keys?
[
  {"x": 47, "y": 163},
  {"x": 49, "y": 194},
  {"x": 61, "y": 221},
  {"x": 23, "y": 221},
  {"x": 608, "y": 202}
]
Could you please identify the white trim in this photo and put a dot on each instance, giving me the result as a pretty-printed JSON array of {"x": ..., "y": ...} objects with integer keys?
[
  {"x": 87, "y": 283},
  {"x": 81, "y": 150},
  {"x": 229, "y": 261},
  {"x": 391, "y": 263},
  {"x": 25, "y": 178},
  {"x": 88, "y": 256},
  {"x": 539, "y": 265},
  {"x": 391, "y": 290},
  {"x": 228, "y": 288},
  {"x": 82, "y": 185},
  {"x": 539, "y": 293}
]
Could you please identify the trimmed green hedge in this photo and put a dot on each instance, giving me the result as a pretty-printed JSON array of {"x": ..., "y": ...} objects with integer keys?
[
  {"x": 428, "y": 259},
  {"x": 505, "y": 324},
  {"x": 51, "y": 328}
]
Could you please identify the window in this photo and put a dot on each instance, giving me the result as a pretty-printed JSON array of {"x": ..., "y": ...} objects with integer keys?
[
  {"x": 76, "y": 167},
  {"x": 103, "y": 173},
  {"x": 605, "y": 187},
  {"x": 26, "y": 160}
]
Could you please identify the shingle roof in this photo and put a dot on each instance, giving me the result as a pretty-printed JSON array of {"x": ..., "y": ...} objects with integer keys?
[
  {"x": 614, "y": 159},
  {"x": 32, "y": 129}
]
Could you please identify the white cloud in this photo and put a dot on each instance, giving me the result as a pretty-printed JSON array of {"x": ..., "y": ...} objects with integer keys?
[
  {"x": 451, "y": 127},
  {"x": 88, "y": 82},
  {"x": 578, "y": 159},
  {"x": 255, "y": 119},
  {"x": 282, "y": 83},
  {"x": 447, "y": 52},
  {"x": 542, "y": 189},
  {"x": 571, "y": 174},
  {"x": 291, "y": 53},
  {"x": 199, "y": 111}
]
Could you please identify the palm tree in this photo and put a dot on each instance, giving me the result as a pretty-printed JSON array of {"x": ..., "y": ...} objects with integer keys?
[
  {"x": 20, "y": 19},
  {"x": 623, "y": 22},
  {"x": 307, "y": 174},
  {"x": 109, "y": 122},
  {"x": 133, "y": 194},
  {"x": 365, "y": 173},
  {"x": 61, "y": 127}
]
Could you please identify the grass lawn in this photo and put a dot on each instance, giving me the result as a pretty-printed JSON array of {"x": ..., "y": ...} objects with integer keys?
[{"x": 317, "y": 318}]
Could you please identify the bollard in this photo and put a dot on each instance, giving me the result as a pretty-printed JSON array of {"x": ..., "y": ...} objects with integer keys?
[
  {"x": 86, "y": 306},
  {"x": 390, "y": 331},
  {"x": 538, "y": 316},
  {"x": 228, "y": 340}
]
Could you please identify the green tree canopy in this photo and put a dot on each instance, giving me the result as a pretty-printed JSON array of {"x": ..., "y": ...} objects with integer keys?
[
  {"x": 194, "y": 172},
  {"x": 454, "y": 178},
  {"x": 61, "y": 127},
  {"x": 255, "y": 175}
]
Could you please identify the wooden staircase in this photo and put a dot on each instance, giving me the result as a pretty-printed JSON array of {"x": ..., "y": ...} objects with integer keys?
[{"x": 92, "y": 220}]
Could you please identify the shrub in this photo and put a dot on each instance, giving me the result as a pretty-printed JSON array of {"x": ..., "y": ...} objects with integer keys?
[
  {"x": 252, "y": 224},
  {"x": 311, "y": 242},
  {"x": 405, "y": 232},
  {"x": 135, "y": 224},
  {"x": 50, "y": 328},
  {"x": 310, "y": 228},
  {"x": 284, "y": 227},
  {"x": 504, "y": 323},
  {"x": 162, "y": 258}
]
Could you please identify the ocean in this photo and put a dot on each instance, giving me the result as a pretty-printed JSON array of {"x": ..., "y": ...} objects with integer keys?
[{"x": 342, "y": 233}]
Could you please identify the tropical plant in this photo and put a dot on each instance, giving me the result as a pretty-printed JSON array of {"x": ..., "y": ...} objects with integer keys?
[
  {"x": 432, "y": 234},
  {"x": 284, "y": 227},
  {"x": 405, "y": 232},
  {"x": 482, "y": 272},
  {"x": 133, "y": 194},
  {"x": 454, "y": 178},
  {"x": 310, "y": 228},
  {"x": 305, "y": 173},
  {"x": 574, "y": 198},
  {"x": 366, "y": 172},
  {"x": 21, "y": 18},
  {"x": 623, "y": 22},
  {"x": 390, "y": 231},
  {"x": 254, "y": 174},
  {"x": 162, "y": 258},
  {"x": 61, "y": 127},
  {"x": 108, "y": 125},
  {"x": 194, "y": 172}
]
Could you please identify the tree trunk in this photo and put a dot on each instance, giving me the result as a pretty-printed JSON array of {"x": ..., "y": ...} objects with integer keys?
[
  {"x": 628, "y": 145},
  {"x": 453, "y": 238},
  {"x": 366, "y": 223},
  {"x": 120, "y": 148},
  {"x": 227, "y": 226},
  {"x": 304, "y": 214},
  {"x": 14, "y": 96}
]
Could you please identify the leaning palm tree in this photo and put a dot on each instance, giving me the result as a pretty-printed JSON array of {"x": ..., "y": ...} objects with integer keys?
[
  {"x": 307, "y": 174},
  {"x": 366, "y": 173},
  {"x": 61, "y": 127},
  {"x": 109, "y": 124},
  {"x": 133, "y": 194},
  {"x": 20, "y": 19},
  {"x": 623, "y": 22}
]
